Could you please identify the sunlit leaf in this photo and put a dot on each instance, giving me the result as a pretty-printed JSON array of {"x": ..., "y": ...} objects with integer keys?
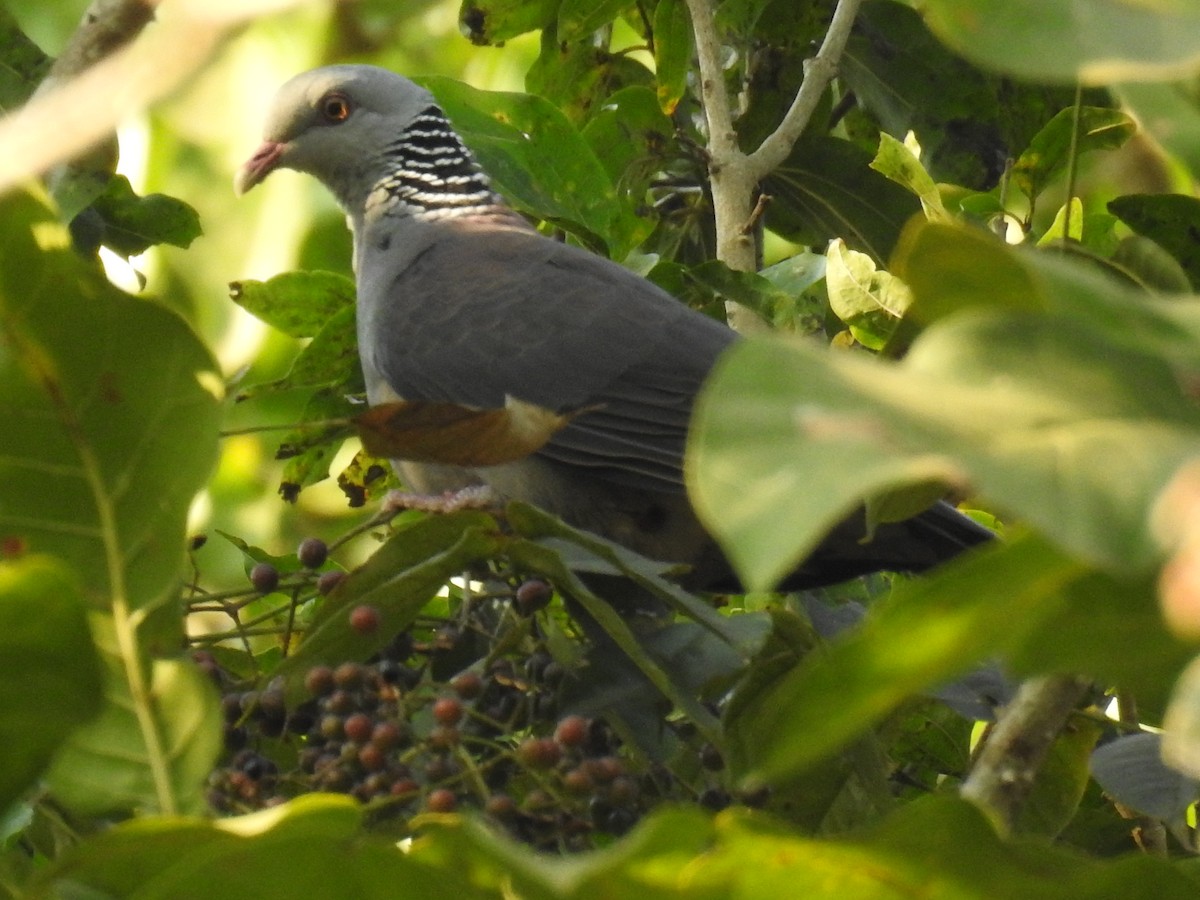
[
  {"x": 297, "y": 303},
  {"x": 1098, "y": 42}
]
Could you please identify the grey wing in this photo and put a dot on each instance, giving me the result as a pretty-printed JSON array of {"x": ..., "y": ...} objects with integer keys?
[{"x": 474, "y": 316}]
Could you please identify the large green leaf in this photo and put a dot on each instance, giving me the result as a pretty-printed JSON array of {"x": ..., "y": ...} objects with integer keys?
[
  {"x": 1092, "y": 41},
  {"x": 1170, "y": 220},
  {"x": 52, "y": 676},
  {"x": 1051, "y": 148},
  {"x": 1072, "y": 419},
  {"x": 927, "y": 633},
  {"x": 826, "y": 188},
  {"x": 313, "y": 846},
  {"x": 111, "y": 409}
]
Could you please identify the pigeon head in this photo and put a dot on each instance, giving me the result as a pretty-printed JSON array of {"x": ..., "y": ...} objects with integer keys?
[{"x": 338, "y": 124}]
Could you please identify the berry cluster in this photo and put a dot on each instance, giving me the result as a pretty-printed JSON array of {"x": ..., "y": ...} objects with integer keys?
[{"x": 412, "y": 730}]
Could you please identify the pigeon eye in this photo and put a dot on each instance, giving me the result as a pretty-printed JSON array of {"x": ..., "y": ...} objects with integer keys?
[{"x": 334, "y": 108}]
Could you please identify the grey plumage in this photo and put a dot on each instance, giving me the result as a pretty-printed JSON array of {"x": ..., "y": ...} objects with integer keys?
[{"x": 461, "y": 301}]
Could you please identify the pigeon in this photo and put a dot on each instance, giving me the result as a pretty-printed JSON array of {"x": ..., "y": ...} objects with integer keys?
[{"x": 460, "y": 300}]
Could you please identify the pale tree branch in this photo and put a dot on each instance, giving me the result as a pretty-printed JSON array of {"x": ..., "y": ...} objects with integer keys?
[
  {"x": 62, "y": 122},
  {"x": 818, "y": 72},
  {"x": 735, "y": 175},
  {"x": 107, "y": 26},
  {"x": 1004, "y": 773}
]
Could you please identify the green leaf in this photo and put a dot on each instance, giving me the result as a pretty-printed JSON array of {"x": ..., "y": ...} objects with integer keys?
[
  {"x": 312, "y": 846},
  {"x": 52, "y": 681},
  {"x": 1073, "y": 423},
  {"x": 827, "y": 189},
  {"x": 1167, "y": 113},
  {"x": 674, "y": 46},
  {"x": 1170, "y": 220},
  {"x": 299, "y": 304},
  {"x": 133, "y": 224},
  {"x": 871, "y": 302},
  {"x": 1099, "y": 42},
  {"x": 539, "y": 161},
  {"x": 111, "y": 411},
  {"x": 330, "y": 360},
  {"x": 925, "y": 634},
  {"x": 1050, "y": 150},
  {"x": 577, "y": 76},
  {"x": 495, "y": 21},
  {"x": 142, "y": 750},
  {"x": 24, "y": 64},
  {"x": 897, "y": 162},
  {"x": 631, "y": 137},
  {"x": 309, "y": 449},
  {"x": 577, "y": 19},
  {"x": 1069, "y": 216},
  {"x": 111, "y": 407},
  {"x": 1061, "y": 780}
]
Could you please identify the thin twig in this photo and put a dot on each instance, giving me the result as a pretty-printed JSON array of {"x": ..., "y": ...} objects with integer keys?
[{"x": 818, "y": 72}]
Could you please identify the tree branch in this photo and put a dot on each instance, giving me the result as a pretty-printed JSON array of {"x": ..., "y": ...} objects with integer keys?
[
  {"x": 107, "y": 26},
  {"x": 735, "y": 175},
  {"x": 1004, "y": 773},
  {"x": 818, "y": 72}
]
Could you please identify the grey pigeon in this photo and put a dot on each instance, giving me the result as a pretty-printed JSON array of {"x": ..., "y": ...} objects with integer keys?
[{"x": 460, "y": 300}]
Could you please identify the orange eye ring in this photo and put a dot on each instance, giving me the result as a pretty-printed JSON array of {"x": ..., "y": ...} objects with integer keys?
[{"x": 334, "y": 108}]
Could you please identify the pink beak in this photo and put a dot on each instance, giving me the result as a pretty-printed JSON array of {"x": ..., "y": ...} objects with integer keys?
[{"x": 258, "y": 167}]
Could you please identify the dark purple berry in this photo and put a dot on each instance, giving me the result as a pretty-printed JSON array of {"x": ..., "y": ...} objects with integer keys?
[
  {"x": 312, "y": 553},
  {"x": 264, "y": 577},
  {"x": 329, "y": 581},
  {"x": 532, "y": 595}
]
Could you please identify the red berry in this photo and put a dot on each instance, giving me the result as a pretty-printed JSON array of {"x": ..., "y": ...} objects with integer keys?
[
  {"x": 447, "y": 710},
  {"x": 264, "y": 577},
  {"x": 312, "y": 553},
  {"x": 500, "y": 806},
  {"x": 386, "y": 735},
  {"x": 359, "y": 727},
  {"x": 572, "y": 731},
  {"x": 441, "y": 800},
  {"x": 578, "y": 781},
  {"x": 364, "y": 619},
  {"x": 348, "y": 675},
  {"x": 372, "y": 758},
  {"x": 539, "y": 753},
  {"x": 404, "y": 787},
  {"x": 468, "y": 685}
]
